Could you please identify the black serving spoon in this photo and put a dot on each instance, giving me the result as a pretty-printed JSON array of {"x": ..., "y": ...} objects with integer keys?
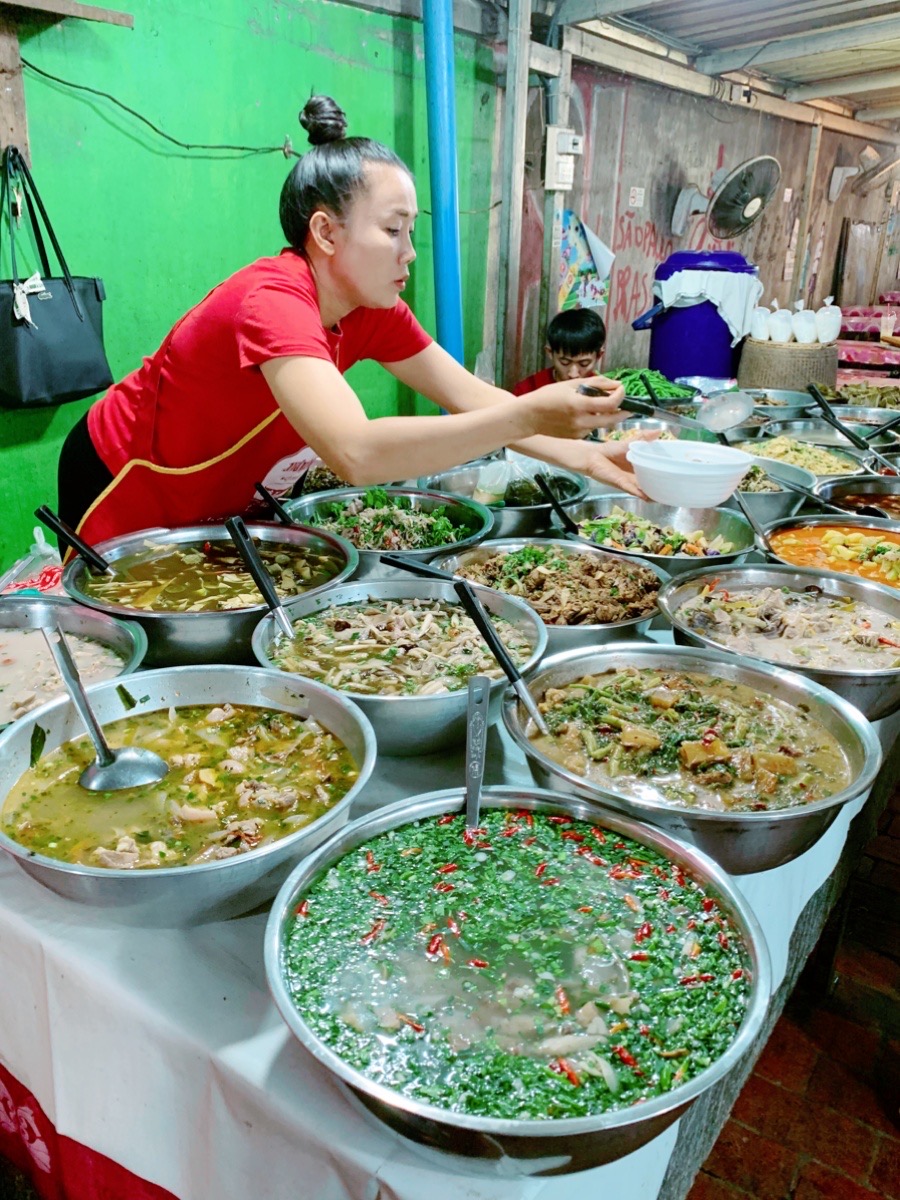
[
  {"x": 237, "y": 531},
  {"x": 476, "y": 610},
  {"x": 544, "y": 484},
  {"x": 49, "y": 518},
  {"x": 852, "y": 437},
  {"x": 277, "y": 508}
]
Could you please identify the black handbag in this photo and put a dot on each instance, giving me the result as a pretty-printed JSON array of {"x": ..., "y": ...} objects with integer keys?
[{"x": 51, "y": 327}]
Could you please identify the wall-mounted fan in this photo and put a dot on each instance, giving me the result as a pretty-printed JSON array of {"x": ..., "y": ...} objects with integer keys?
[{"x": 738, "y": 199}]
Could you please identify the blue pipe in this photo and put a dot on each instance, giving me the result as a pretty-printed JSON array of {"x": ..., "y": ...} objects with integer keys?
[{"x": 440, "y": 98}]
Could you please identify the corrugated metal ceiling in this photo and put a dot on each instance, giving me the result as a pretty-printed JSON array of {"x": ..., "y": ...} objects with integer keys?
[{"x": 836, "y": 49}]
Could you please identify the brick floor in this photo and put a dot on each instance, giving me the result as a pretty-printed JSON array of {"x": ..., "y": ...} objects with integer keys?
[{"x": 819, "y": 1118}]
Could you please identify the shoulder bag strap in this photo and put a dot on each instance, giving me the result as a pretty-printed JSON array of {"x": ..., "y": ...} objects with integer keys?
[
  {"x": 28, "y": 184},
  {"x": 8, "y": 158}
]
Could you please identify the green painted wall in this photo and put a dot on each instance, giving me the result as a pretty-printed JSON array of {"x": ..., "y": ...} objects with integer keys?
[{"x": 163, "y": 225}]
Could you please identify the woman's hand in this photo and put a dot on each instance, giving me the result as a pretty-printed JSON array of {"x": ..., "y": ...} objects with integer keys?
[
  {"x": 564, "y": 410},
  {"x": 608, "y": 464}
]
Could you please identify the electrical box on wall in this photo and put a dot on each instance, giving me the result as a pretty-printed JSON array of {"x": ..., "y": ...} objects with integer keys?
[{"x": 562, "y": 146}]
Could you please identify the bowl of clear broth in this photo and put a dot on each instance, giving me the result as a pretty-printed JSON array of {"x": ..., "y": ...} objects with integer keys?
[
  {"x": 103, "y": 648},
  {"x": 841, "y": 633},
  {"x": 190, "y": 591},
  {"x": 262, "y": 769},
  {"x": 751, "y": 762},
  {"x": 541, "y": 996}
]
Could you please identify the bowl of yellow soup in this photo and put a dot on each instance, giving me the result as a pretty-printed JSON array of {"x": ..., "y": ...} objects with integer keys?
[
  {"x": 262, "y": 768},
  {"x": 192, "y": 594},
  {"x": 547, "y": 1005},
  {"x": 751, "y": 762},
  {"x": 867, "y": 547}
]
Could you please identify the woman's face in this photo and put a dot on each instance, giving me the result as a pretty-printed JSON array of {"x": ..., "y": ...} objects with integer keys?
[{"x": 373, "y": 250}]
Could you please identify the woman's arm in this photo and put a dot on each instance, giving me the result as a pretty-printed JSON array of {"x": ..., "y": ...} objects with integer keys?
[
  {"x": 434, "y": 373},
  {"x": 327, "y": 414}
]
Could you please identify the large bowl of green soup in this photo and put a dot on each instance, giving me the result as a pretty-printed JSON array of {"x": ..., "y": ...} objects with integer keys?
[
  {"x": 191, "y": 592},
  {"x": 539, "y": 995},
  {"x": 262, "y": 769},
  {"x": 749, "y": 761}
]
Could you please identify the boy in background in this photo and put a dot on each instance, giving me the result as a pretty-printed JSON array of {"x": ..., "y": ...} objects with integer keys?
[{"x": 575, "y": 341}]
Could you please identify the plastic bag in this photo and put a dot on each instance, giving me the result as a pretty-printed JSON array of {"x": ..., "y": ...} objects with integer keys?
[
  {"x": 828, "y": 321},
  {"x": 803, "y": 324},
  {"x": 759, "y": 324},
  {"x": 780, "y": 328}
]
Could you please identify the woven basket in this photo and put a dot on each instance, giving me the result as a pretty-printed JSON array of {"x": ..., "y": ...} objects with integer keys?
[{"x": 789, "y": 366}]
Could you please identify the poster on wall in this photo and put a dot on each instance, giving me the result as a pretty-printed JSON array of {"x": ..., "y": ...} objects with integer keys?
[{"x": 585, "y": 265}]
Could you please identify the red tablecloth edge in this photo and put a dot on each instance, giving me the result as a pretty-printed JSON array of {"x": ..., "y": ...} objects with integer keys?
[{"x": 57, "y": 1167}]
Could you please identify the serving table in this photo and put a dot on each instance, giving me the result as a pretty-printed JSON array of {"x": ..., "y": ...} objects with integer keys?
[{"x": 152, "y": 1064}]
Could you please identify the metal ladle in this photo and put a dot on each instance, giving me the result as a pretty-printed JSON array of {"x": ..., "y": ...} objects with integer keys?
[
  {"x": 111, "y": 770},
  {"x": 720, "y": 410},
  {"x": 476, "y": 745}
]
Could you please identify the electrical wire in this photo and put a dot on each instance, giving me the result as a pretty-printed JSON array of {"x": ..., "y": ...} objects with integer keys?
[{"x": 286, "y": 149}]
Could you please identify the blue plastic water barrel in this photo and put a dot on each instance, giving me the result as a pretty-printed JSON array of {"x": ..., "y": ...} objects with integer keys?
[{"x": 695, "y": 340}]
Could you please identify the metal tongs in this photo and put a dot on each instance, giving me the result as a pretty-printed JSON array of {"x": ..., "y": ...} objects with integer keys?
[
  {"x": 851, "y": 435},
  {"x": 476, "y": 610}
]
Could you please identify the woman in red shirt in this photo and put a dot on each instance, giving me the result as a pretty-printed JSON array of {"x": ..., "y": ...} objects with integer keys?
[{"x": 249, "y": 384}]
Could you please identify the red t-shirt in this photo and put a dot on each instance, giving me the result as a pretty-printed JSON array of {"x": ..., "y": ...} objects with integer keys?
[
  {"x": 202, "y": 391},
  {"x": 533, "y": 382}
]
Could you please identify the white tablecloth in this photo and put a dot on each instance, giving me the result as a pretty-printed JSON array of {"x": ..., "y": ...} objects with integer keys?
[{"x": 163, "y": 1051}]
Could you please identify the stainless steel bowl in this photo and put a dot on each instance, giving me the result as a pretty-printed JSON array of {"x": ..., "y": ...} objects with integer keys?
[
  {"x": 779, "y": 404},
  {"x": 746, "y": 431},
  {"x": 509, "y": 520},
  {"x": 411, "y": 725},
  {"x": 820, "y": 433},
  {"x": 484, "y": 1145},
  {"x": 471, "y": 518},
  {"x": 772, "y": 506},
  {"x": 856, "y": 463},
  {"x": 563, "y": 637},
  {"x": 740, "y": 842},
  {"x": 174, "y": 896},
  {"x": 876, "y": 693},
  {"x": 176, "y": 639},
  {"x": 660, "y": 425},
  {"x": 867, "y": 416},
  {"x": 126, "y": 638},
  {"x": 872, "y": 486},
  {"x": 876, "y": 524},
  {"x": 712, "y": 521}
]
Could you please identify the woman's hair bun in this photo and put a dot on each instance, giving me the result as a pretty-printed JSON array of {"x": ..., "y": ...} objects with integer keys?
[{"x": 323, "y": 119}]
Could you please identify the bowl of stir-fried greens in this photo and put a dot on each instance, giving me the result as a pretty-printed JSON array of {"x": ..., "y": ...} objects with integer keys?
[
  {"x": 414, "y": 522},
  {"x": 673, "y": 539}
]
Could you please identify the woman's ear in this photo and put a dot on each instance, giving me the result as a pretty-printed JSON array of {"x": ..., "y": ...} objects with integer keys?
[{"x": 323, "y": 228}]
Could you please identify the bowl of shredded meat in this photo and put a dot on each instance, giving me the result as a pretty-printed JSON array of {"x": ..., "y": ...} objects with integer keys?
[{"x": 583, "y": 595}]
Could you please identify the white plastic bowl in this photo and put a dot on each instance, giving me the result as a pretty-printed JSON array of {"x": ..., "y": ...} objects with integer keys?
[{"x": 692, "y": 474}]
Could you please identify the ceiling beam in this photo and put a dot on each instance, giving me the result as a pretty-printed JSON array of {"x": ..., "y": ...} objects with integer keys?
[
  {"x": 573, "y": 12},
  {"x": 871, "y": 81},
  {"x": 888, "y": 112},
  {"x": 804, "y": 45},
  {"x": 613, "y": 56}
]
